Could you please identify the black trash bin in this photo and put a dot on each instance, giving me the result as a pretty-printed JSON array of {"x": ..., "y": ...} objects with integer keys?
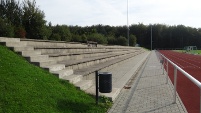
[
  {"x": 161, "y": 61},
  {"x": 105, "y": 82}
]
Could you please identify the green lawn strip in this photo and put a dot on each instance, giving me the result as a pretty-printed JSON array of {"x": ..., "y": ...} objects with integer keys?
[
  {"x": 190, "y": 52},
  {"x": 28, "y": 88},
  {"x": 197, "y": 51}
]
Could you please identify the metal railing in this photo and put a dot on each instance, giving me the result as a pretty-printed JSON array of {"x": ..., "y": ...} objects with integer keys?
[{"x": 195, "y": 81}]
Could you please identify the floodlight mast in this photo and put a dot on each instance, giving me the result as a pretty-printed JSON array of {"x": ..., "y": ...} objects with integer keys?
[
  {"x": 127, "y": 24},
  {"x": 151, "y": 37}
]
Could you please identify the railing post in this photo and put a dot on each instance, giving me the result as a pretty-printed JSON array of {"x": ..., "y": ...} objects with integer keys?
[
  {"x": 200, "y": 100},
  {"x": 97, "y": 88},
  {"x": 163, "y": 65},
  {"x": 167, "y": 71},
  {"x": 175, "y": 84}
]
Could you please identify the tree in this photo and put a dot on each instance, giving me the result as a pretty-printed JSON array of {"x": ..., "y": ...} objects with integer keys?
[
  {"x": 132, "y": 40},
  {"x": 63, "y": 31},
  {"x": 6, "y": 29},
  {"x": 97, "y": 38},
  {"x": 33, "y": 20},
  {"x": 55, "y": 36},
  {"x": 45, "y": 32},
  {"x": 76, "y": 38},
  {"x": 11, "y": 10},
  {"x": 84, "y": 38},
  {"x": 20, "y": 32},
  {"x": 122, "y": 41},
  {"x": 111, "y": 40}
]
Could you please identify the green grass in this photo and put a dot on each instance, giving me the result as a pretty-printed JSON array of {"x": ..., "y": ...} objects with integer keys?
[
  {"x": 197, "y": 51},
  {"x": 191, "y": 52},
  {"x": 25, "y": 88}
]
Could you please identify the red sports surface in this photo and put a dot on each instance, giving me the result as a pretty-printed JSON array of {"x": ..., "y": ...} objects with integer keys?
[{"x": 187, "y": 90}]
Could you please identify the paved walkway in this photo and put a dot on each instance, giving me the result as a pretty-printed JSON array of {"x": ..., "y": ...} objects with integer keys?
[
  {"x": 123, "y": 72},
  {"x": 148, "y": 92}
]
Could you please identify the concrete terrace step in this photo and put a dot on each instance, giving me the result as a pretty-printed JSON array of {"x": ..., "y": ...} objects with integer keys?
[
  {"x": 30, "y": 53},
  {"x": 79, "y": 64},
  {"x": 6, "y": 39},
  {"x": 15, "y": 44},
  {"x": 62, "y": 44},
  {"x": 20, "y": 49},
  {"x": 107, "y": 53},
  {"x": 44, "y": 63},
  {"x": 37, "y": 58},
  {"x": 77, "y": 53},
  {"x": 84, "y": 84},
  {"x": 65, "y": 57},
  {"x": 55, "y": 67},
  {"x": 51, "y": 43},
  {"x": 73, "y": 78},
  {"x": 92, "y": 69},
  {"x": 63, "y": 73},
  {"x": 64, "y": 50},
  {"x": 79, "y": 56},
  {"x": 68, "y": 50}
]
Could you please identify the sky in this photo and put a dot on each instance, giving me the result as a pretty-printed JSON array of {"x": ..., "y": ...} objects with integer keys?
[{"x": 114, "y": 12}]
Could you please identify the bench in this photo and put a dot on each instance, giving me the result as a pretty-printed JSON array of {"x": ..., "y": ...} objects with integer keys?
[{"x": 92, "y": 44}]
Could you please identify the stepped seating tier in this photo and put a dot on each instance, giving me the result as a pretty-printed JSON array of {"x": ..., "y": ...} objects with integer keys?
[
  {"x": 73, "y": 62},
  {"x": 88, "y": 70},
  {"x": 89, "y": 61}
]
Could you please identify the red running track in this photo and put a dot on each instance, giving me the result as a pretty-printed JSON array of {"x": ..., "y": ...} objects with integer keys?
[{"x": 188, "y": 91}]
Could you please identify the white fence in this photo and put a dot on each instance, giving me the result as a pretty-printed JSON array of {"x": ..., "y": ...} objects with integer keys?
[{"x": 177, "y": 68}]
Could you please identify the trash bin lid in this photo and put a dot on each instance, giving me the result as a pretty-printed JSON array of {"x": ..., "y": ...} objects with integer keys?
[{"x": 105, "y": 73}]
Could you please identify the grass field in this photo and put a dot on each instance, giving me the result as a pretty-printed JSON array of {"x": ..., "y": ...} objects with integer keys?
[
  {"x": 193, "y": 51},
  {"x": 26, "y": 88}
]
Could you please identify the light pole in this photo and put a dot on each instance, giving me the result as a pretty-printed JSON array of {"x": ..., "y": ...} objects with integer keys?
[
  {"x": 127, "y": 24},
  {"x": 151, "y": 37}
]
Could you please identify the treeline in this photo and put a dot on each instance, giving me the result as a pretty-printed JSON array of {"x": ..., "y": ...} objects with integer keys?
[
  {"x": 26, "y": 20},
  {"x": 167, "y": 37},
  {"x": 22, "y": 19}
]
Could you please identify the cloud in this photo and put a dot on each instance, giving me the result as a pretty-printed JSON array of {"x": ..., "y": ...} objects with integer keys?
[
  {"x": 114, "y": 12},
  {"x": 166, "y": 11},
  {"x": 81, "y": 12}
]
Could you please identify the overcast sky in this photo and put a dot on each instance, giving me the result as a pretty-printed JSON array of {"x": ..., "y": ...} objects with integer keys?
[{"x": 114, "y": 12}]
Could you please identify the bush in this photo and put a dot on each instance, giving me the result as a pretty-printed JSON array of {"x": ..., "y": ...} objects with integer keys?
[
  {"x": 122, "y": 41},
  {"x": 132, "y": 40},
  {"x": 111, "y": 40},
  {"x": 97, "y": 38},
  {"x": 56, "y": 37},
  {"x": 63, "y": 31},
  {"x": 20, "y": 32},
  {"x": 76, "y": 38},
  {"x": 84, "y": 38}
]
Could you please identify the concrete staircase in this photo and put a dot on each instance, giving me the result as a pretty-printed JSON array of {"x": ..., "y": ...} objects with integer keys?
[{"x": 73, "y": 62}]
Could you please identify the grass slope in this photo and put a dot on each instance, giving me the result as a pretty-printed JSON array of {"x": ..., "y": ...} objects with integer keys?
[{"x": 28, "y": 88}]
